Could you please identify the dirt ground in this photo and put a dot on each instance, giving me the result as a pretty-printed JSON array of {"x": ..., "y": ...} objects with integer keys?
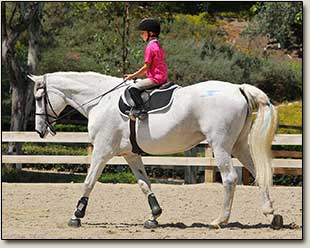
[{"x": 118, "y": 211}]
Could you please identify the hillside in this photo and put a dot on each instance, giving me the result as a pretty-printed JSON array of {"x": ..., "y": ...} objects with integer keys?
[{"x": 233, "y": 28}]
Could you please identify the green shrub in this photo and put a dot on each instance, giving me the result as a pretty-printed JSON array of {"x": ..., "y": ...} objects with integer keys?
[
  {"x": 282, "y": 81},
  {"x": 70, "y": 128},
  {"x": 8, "y": 174},
  {"x": 51, "y": 149},
  {"x": 286, "y": 27},
  {"x": 287, "y": 180},
  {"x": 124, "y": 177},
  {"x": 29, "y": 176}
]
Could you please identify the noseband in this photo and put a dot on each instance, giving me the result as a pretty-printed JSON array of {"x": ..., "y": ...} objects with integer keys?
[{"x": 47, "y": 103}]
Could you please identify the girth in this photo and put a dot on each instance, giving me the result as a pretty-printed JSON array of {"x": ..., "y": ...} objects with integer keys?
[{"x": 135, "y": 147}]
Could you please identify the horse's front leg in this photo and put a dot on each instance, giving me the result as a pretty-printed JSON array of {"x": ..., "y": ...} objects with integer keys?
[
  {"x": 137, "y": 167},
  {"x": 99, "y": 159}
]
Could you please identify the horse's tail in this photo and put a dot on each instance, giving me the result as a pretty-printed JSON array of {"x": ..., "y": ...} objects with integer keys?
[{"x": 261, "y": 134}]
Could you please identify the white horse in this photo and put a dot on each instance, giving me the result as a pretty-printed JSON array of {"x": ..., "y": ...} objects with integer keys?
[{"x": 219, "y": 112}]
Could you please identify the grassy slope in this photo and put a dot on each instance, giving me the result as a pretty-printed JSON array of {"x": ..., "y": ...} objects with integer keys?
[{"x": 290, "y": 114}]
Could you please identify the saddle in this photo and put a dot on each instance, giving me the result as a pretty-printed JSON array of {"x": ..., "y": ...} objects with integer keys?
[{"x": 154, "y": 99}]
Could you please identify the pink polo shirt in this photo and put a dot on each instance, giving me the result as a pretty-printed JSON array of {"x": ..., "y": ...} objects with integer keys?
[{"x": 155, "y": 56}]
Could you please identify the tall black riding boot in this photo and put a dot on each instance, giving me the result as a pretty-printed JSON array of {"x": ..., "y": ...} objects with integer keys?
[
  {"x": 139, "y": 111},
  {"x": 136, "y": 97}
]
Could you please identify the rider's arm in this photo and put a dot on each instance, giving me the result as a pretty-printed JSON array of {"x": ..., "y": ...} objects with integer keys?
[{"x": 138, "y": 73}]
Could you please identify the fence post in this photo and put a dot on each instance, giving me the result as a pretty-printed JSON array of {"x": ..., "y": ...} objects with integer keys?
[
  {"x": 210, "y": 171},
  {"x": 89, "y": 149},
  {"x": 190, "y": 173},
  {"x": 239, "y": 171},
  {"x": 245, "y": 176}
]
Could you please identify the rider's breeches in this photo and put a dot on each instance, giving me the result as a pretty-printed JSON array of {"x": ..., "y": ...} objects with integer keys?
[
  {"x": 136, "y": 88},
  {"x": 143, "y": 84}
]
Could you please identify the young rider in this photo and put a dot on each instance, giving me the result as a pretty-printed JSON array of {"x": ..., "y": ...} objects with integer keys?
[{"x": 154, "y": 64}]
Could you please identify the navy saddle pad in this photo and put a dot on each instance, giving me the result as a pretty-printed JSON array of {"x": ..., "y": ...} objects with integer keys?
[{"x": 154, "y": 99}]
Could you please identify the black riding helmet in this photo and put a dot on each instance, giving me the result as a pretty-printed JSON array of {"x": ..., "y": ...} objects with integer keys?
[{"x": 150, "y": 25}]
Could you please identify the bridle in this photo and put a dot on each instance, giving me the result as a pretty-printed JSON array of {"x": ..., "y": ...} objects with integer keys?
[{"x": 47, "y": 103}]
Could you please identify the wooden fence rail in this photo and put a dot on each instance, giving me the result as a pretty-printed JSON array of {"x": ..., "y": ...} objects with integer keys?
[{"x": 291, "y": 165}]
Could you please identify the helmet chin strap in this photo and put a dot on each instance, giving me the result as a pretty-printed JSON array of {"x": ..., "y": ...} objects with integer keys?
[{"x": 149, "y": 36}]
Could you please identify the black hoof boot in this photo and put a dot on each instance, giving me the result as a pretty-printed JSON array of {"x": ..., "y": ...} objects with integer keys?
[
  {"x": 81, "y": 207},
  {"x": 150, "y": 224},
  {"x": 156, "y": 210},
  {"x": 74, "y": 223},
  {"x": 277, "y": 222}
]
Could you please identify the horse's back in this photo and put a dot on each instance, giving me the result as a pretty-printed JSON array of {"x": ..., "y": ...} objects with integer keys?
[
  {"x": 212, "y": 95},
  {"x": 213, "y": 88}
]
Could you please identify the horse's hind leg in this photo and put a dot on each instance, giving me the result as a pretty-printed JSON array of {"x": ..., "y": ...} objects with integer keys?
[
  {"x": 241, "y": 151},
  {"x": 229, "y": 179},
  {"x": 137, "y": 167}
]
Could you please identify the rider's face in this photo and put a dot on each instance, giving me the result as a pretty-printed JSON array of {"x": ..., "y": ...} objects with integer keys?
[{"x": 144, "y": 35}]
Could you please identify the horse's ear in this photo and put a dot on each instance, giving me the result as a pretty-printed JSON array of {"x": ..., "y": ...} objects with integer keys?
[
  {"x": 38, "y": 83},
  {"x": 38, "y": 80},
  {"x": 34, "y": 78}
]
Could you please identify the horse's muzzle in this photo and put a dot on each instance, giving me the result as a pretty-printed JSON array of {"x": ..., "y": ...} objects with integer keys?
[{"x": 40, "y": 134}]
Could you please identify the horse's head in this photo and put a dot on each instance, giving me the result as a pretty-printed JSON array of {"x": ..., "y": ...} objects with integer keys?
[{"x": 49, "y": 103}]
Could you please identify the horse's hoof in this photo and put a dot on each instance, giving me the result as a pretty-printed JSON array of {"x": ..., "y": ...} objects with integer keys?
[
  {"x": 150, "y": 224},
  {"x": 277, "y": 222},
  {"x": 215, "y": 226},
  {"x": 216, "y": 223},
  {"x": 74, "y": 223}
]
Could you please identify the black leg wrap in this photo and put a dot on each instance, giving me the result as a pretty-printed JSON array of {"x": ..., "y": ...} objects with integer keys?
[
  {"x": 156, "y": 210},
  {"x": 81, "y": 207}
]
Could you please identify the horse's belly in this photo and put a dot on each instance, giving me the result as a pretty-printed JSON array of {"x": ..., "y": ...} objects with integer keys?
[
  {"x": 163, "y": 140},
  {"x": 171, "y": 145}
]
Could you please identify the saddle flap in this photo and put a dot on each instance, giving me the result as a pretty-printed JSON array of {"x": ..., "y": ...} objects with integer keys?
[
  {"x": 156, "y": 100},
  {"x": 126, "y": 97}
]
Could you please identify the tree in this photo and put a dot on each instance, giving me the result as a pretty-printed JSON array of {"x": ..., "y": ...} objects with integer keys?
[
  {"x": 281, "y": 21},
  {"x": 125, "y": 35},
  {"x": 33, "y": 57},
  {"x": 17, "y": 19}
]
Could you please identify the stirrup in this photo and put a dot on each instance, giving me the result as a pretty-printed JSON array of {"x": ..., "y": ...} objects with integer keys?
[
  {"x": 137, "y": 113},
  {"x": 134, "y": 113},
  {"x": 132, "y": 116},
  {"x": 142, "y": 114}
]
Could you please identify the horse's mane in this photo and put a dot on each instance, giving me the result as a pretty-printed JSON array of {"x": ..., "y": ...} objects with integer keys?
[{"x": 88, "y": 73}]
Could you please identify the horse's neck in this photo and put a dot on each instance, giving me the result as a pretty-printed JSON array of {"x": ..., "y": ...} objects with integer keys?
[{"x": 81, "y": 88}]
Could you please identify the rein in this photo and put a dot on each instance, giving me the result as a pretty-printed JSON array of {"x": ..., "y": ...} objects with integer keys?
[{"x": 47, "y": 102}]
